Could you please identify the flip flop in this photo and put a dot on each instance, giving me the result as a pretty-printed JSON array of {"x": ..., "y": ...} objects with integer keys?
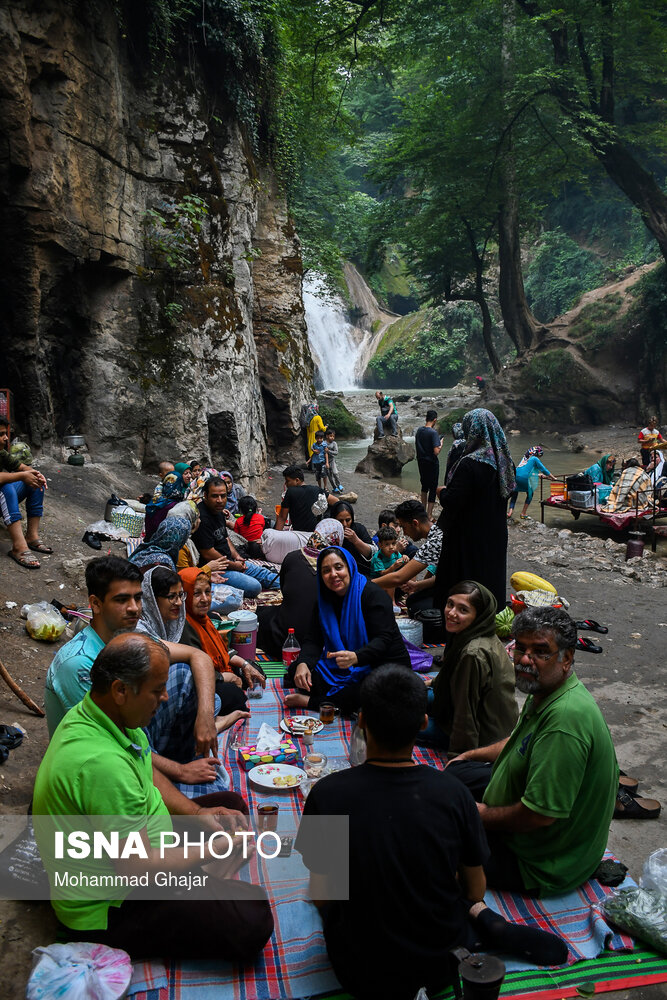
[
  {"x": 589, "y": 625},
  {"x": 587, "y": 645},
  {"x": 628, "y": 807},
  {"x": 39, "y": 546},
  {"x": 25, "y": 559},
  {"x": 10, "y": 737},
  {"x": 629, "y": 785}
]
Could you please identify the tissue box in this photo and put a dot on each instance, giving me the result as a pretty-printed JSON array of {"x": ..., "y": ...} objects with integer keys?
[{"x": 286, "y": 753}]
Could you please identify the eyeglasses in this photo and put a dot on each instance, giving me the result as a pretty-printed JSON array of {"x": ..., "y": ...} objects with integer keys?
[
  {"x": 175, "y": 598},
  {"x": 535, "y": 657}
]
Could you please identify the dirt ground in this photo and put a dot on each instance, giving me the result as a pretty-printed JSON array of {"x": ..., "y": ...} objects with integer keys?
[{"x": 628, "y": 680}]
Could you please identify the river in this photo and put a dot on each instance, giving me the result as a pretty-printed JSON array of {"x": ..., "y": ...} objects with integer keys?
[{"x": 558, "y": 458}]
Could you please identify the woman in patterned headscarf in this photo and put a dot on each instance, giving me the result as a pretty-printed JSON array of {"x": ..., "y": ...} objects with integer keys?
[
  {"x": 455, "y": 450},
  {"x": 298, "y": 583},
  {"x": 164, "y": 546},
  {"x": 474, "y": 510}
]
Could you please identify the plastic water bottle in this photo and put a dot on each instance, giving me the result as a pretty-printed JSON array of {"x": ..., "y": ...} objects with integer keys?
[{"x": 291, "y": 649}]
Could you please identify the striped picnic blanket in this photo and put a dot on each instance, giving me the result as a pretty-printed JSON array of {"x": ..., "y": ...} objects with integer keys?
[{"x": 294, "y": 963}]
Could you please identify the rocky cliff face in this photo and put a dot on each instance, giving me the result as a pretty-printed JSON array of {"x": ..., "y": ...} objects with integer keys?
[{"x": 100, "y": 337}]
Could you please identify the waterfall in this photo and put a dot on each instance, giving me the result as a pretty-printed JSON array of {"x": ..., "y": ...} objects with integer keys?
[
  {"x": 331, "y": 336},
  {"x": 341, "y": 350}
]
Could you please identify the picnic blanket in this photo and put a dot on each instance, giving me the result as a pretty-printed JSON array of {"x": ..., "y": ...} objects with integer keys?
[{"x": 294, "y": 963}]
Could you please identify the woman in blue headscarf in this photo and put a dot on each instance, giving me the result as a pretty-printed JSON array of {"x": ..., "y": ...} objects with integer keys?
[
  {"x": 168, "y": 492},
  {"x": 474, "y": 510},
  {"x": 352, "y": 630}
]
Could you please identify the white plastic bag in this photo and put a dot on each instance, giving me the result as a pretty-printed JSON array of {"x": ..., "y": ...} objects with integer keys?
[
  {"x": 79, "y": 971},
  {"x": 654, "y": 874},
  {"x": 320, "y": 506},
  {"x": 107, "y": 528},
  {"x": 44, "y": 622},
  {"x": 221, "y": 593}
]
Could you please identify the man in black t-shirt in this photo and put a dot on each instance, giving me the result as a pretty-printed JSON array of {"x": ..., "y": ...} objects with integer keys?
[
  {"x": 427, "y": 445},
  {"x": 213, "y": 542},
  {"x": 411, "y": 830},
  {"x": 298, "y": 502}
]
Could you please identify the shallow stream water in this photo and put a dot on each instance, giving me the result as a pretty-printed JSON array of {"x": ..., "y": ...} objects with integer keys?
[{"x": 558, "y": 459}]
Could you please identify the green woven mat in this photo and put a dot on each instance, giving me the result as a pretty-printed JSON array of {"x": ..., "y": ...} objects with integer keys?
[
  {"x": 611, "y": 971},
  {"x": 272, "y": 668}
]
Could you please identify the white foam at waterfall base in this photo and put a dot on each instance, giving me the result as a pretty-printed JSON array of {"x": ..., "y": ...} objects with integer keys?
[{"x": 332, "y": 338}]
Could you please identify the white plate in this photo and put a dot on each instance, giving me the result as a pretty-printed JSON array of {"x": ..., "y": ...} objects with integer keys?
[
  {"x": 264, "y": 775},
  {"x": 299, "y": 731}
]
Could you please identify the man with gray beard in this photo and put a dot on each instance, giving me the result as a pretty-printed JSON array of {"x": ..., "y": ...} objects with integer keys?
[{"x": 552, "y": 787}]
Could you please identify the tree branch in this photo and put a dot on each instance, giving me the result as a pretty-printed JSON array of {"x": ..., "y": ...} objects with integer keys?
[{"x": 588, "y": 71}]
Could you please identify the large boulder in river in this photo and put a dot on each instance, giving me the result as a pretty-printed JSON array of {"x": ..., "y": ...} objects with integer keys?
[{"x": 386, "y": 456}]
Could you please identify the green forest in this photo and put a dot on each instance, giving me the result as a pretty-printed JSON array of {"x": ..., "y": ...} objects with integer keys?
[{"x": 482, "y": 163}]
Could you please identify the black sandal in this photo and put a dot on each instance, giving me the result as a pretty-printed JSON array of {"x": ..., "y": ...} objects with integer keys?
[
  {"x": 587, "y": 645},
  {"x": 588, "y": 625},
  {"x": 628, "y": 807},
  {"x": 629, "y": 785},
  {"x": 10, "y": 737}
]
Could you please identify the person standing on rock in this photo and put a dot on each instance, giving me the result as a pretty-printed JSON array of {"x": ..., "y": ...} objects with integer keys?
[
  {"x": 428, "y": 444},
  {"x": 388, "y": 419}
]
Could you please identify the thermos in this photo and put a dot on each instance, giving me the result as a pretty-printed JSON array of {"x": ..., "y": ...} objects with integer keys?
[{"x": 476, "y": 977}]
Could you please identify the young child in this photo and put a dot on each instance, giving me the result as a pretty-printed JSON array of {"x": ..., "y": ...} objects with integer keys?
[
  {"x": 387, "y": 559},
  {"x": 332, "y": 452},
  {"x": 250, "y": 524},
  {"x": 320, "y": 459},
  {"x": 387, "y": 518}
]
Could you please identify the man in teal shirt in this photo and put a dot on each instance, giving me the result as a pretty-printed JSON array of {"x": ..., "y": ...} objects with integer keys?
[
  {"x": 388, "y": 419},
  {"x": 98, "y": 764},
  {"x": 183, "y": 725},
  {"x": 552, "y": 789}
]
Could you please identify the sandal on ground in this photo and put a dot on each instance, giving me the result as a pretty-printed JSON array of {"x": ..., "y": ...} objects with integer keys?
[
  {"x": 587, "y": 645},
  {"x": 25, "y": 559},
  {"x": 10, "y": 737},
  {"x": 39, "y": 546},
  {"x": 628, "y": 807},
  {"x": 589, "y": 625},
  {"x": 628, "y": 784}
]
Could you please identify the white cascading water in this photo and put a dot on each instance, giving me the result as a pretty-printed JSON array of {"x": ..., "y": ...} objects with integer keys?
[{"x": 332, "y": 338}]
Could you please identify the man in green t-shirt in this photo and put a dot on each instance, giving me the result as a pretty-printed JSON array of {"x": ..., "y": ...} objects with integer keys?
[
  {"x": 98, "y": 764},
  {"x": 552, "y": 789}
]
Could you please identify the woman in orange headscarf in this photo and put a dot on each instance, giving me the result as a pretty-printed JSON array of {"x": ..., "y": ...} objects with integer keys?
[{"x": 199, "y": 631}]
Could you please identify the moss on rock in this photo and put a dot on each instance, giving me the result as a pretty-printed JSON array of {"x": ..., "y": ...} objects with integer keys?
[{"x": 334, "y": 413}]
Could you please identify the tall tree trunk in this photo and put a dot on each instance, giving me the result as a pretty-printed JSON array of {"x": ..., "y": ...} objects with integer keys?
[
  {"x": 519, "y": 321},
  {"x": 487, "y": 333},
  {"x": 480, "y": 298},
  {"x": 522, "y": 327}
]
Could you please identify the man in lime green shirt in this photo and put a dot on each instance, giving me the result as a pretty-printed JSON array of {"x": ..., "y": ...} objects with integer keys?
[
  {"x": 552, "y": 789},
  {"x": 99, "y": 764}
]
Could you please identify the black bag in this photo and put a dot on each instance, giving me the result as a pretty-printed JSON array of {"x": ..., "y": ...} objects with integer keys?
[{"x": 579, "y": 483}]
